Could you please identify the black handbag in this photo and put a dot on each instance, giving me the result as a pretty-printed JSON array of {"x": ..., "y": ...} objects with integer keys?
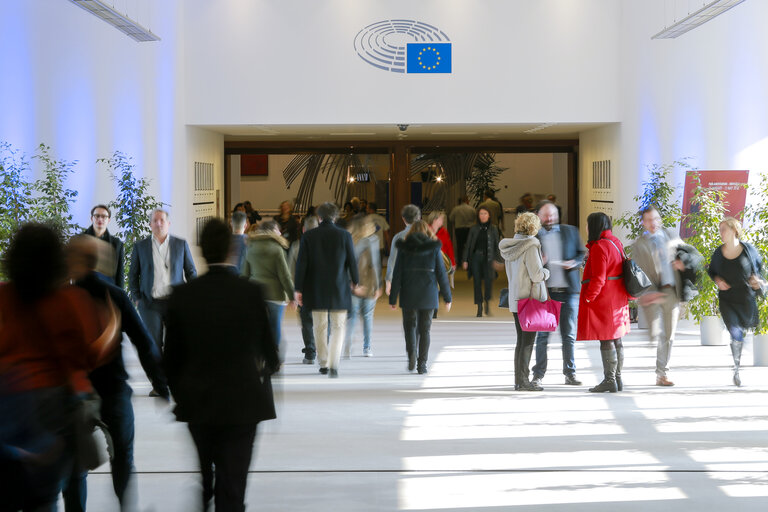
[{"x": 635, "y": 280}]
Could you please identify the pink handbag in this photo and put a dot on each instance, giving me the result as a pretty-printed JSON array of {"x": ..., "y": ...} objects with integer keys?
[{"x": 537, "y": 316}]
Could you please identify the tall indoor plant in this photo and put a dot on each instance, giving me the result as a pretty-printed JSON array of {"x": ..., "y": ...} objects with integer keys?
[
  {"x": 53, "y": 200},
  {"x": 15, "y": 194},
  {"x": 133, "y": 204}
]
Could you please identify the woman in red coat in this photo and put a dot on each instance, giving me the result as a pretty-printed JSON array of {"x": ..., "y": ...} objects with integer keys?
[{"x": 603, "y": 309}]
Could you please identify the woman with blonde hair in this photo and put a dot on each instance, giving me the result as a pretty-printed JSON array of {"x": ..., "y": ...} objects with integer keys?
[
  {"x": 419, "y": 270},
  {"x": 527, "y": 276},
  {"x": 737, "y": 270}
]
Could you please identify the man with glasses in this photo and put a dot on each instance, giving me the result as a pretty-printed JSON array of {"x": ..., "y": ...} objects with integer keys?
[{"x": 100, "y": 216}]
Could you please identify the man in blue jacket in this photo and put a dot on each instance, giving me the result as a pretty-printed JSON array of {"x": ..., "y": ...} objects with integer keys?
[
  {"x": 158, "y": 263},
  {"x": 563, "y": 254}
]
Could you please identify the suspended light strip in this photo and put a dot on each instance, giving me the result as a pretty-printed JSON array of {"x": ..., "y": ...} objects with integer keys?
[
  {"x": 698, "y": 18},
  {"x": 120, "y": 21}
]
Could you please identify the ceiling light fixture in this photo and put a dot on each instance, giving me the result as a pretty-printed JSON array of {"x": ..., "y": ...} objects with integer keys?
[
  {"x": 698, "y": 18},
  {"x": 453, "y": 133},
  {"x": 539, "y": 128},
  {"x": 120, "y": 21},
  {"x": 351, "y": 133}
]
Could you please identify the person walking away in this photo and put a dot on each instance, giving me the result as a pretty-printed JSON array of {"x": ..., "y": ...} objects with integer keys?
[
  {"x": 219, "y": 357},
  {"x": 526, "y": 275},
  {"x": 563, "y": 254},
  {"x": 265, "y": 264},
  {"x": 326, "y": 271},
  {"x": 480, "y": 253},
  {"x": 737, "y": 269},
  {"x": 410, "y": 214},
  {"x": 603, "y": 307},
  {"x": 366, "y": 242},
  {"x": 419, "y": 271},
  {"x": 656, "y": 253},
  {"x": 305, "y": 314},
  {"x": 462, "y": 218}
]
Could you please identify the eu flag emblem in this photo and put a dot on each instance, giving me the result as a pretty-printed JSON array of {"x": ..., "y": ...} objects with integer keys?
[{"x": 428, "y": 57}]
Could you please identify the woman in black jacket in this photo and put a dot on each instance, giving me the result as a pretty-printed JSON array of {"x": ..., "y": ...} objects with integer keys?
[
  {"x": 480, "y": 253},
  {"x": 419, "y": 269},
  {"x": 737, "y": 270}
]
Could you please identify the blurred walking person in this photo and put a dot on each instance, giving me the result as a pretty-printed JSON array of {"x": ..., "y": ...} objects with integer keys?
[
  {"x": 526, "y": 276},
  {"x": 462, "y": 218},
  {"x": 419, "y": 271},
  {"x": 603, "y": 306},
  {"x": 737, "y": 270},
  {"x": 480, "y": 253},
  {"x": 219, "y": 355},
  {"x": 305, "y": 314}
]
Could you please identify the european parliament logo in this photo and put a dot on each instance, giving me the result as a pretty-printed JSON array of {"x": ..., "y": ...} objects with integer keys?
[{"x": 405, "y": 46}]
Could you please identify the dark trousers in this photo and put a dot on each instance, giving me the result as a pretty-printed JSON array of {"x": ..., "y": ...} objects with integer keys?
[
  {"x": 523, "y": 350},
  {"x": 416, "y": 324},
  {"x": 117, "y": 415},
  {"x": 225, "y": 453},
  {"x": 307, "y": 332},
  {"x": 154, "y": 313},
  {"x": 461, "y": 241},
  {"x": 482, "y": 275}
]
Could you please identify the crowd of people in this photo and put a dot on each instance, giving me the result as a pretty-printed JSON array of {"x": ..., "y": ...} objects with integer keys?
[{"x": 212, "y": 342}]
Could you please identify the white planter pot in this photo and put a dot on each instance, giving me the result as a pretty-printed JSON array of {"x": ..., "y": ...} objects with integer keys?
[
  {"x": 760, "y": 349},
  {"x": 713, "y": 332},
  {"x": 642, "y": 321}
]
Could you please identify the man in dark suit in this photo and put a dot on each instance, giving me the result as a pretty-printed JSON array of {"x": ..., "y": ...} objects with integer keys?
[
  {"x": 219, "y": 355},
  {"x": 563, "y": 255},
  {"x": 158, "y": 262},
  {"x": 326, "y": 269},
  {"x": 100, "y": 216},
  {"x": 110, "y": 380}
]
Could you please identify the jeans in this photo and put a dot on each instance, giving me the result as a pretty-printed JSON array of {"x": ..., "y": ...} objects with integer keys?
[
  {"x": 275, "y": 312},
  {"x": 329, "y": 341},
  {"x": 117, "y": 414},
  {"x": 568, "y": 313},
  {"x": 307, "y": 334},
  {"x": 224, "y": 452},
  {"x": 365, "y": 306},
  {"x": 416, "y": 324}
]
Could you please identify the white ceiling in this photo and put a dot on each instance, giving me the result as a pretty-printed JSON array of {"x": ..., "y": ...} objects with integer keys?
[{"x": 369, "y": 132}]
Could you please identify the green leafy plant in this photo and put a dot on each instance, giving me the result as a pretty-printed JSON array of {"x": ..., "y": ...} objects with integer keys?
[
  {"x": 483, "y": 176},
  {"x": 15, "y": 194},
  {"x": 133, "y": 204},
  {"x": 707, "y": 211},
  {"x": 53, "y": 200},
  {"x": 659, "y": 191},
  {"x": 756, "y": 233}
]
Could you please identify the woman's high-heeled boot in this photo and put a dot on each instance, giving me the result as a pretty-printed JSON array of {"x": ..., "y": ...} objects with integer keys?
[
  {"x": 479, "y": 310},
  {"x": 619, "y": 366},
  {"x": 610, "y": 363}
]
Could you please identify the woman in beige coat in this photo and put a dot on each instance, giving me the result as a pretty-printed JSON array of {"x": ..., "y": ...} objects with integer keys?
[{"x": 527, "y": 276}]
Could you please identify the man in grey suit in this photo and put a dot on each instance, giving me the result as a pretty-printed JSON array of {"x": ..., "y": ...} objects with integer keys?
[
  {"x": 158, "y": 262},
  {"x": 655, "y": 251}
]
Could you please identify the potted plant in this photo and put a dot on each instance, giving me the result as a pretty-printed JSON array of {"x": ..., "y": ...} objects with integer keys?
[
  {"x": 657, "y": 191},
  {"x": 15, "y": 194},
  {"x": 53, "y": 200},
  {"x": 133, "y": 203},
  {"x": 756, "y": 219},
  {"x": 708, "y": 210}
]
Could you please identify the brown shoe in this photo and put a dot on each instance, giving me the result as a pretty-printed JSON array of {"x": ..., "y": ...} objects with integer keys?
[{"x": 663, "y": 381}]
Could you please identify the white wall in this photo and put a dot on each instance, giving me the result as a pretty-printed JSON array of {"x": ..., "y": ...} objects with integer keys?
[
  {"x": 84, "y": 88},
  {"x": 703, "y": 95},
  {"x": 293, "y": 62}
]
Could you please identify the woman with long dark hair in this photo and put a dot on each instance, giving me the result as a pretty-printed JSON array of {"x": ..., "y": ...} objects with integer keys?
[
  {"x": 480, "y": 253},
  {"x": 419, "y": 270},
  {"x": 603, "y": 308},
  {"x": 737, "y": 270}
]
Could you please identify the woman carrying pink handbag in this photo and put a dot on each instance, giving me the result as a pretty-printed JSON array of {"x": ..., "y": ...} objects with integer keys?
[{"x": 527, "y": 276}]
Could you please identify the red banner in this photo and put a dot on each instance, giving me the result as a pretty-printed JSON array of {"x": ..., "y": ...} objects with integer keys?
[{"x": 731, "y": 183}]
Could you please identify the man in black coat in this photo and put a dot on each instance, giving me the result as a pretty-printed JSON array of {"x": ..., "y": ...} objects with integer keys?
[
  {"x": 219, "y": 355},
  {"x": 326, "y": 269},
  {"x": 563, "y": 254},
  {"x": 110, "y": 380},
  {"x": 100, "y": 216}
]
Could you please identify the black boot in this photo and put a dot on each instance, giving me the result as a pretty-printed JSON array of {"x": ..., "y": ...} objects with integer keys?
[
  {"x": 524, "y": 368},
  {"x": 619, "y": 366},
  {"x": 736, "y": 347},
  {"x": 610, "y": 363},
  {"x": 479, "y": 310},
  {"x": 487, "y": 309}
]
